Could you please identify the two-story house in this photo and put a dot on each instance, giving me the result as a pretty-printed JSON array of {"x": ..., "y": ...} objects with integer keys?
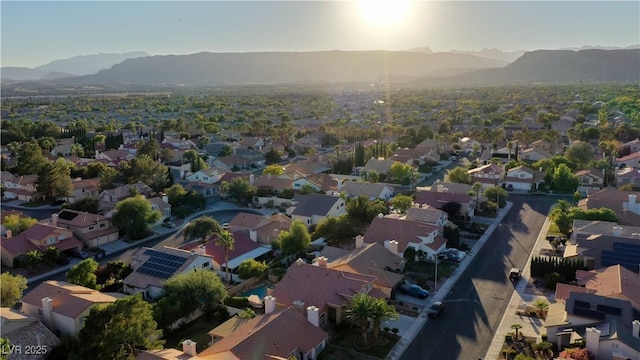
[
  {"x": 63, "y": 307},
  {"x": 207, "y": 176},
  {"x": 624, "y": 203},
  {"x": 523, "y": 178},
  {"x": 260, "y": 229},
  {"x": 534, "y": 154},
  {"x": 589, "y": 180},
  {"x": 92, "y": 229},
  {"x": 488, "y": 175},
  {"x": 21, "y": 330},
  {"x": 109, "y": 198},
  {"x": 38, "y": 237},
  {"x": 21, "y": 187},
  {"x": 631, "y": 160},
  {"x": 371, "y": 191},
  {"x": 428, "y": 215},
  {"x": 313, "y": 208},
  {"x": 438, "y": 199},
  {"x": 83, "y": 188}
]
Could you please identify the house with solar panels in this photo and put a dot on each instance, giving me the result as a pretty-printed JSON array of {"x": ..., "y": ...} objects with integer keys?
[{"x": 152, "y": 267}]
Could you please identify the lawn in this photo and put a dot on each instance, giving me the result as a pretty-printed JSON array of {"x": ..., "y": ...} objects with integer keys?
[
  {"x": 429, "y": 268},
  {"x": 553, "y": 229},
  {"x": 196, "y": 330},
  {"x": 346, "y": 340}
]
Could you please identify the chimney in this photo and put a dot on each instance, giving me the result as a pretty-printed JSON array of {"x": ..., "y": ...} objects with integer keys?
[
  {"x": 189, "y": 347},
  {"x": 54, "y": 219},
  {"x": 617, "y": 231},
  {"x": 9, "y": 234},
  {"x": 593, "y": 340},
  {"x": 269, "y": 176},
  {"x": 269, "y": 304},
  {"x": 299, "y": 305},
  {"x": 202, "y": 250},
  {"x": 636, "y": 329},
  {"x": 392, "y": 246},
  {"x": 322, "y": 261},
  {"x": 313, "y": 315},
  {"x": 252, "y": 179},
  {"x": 47, "y": 311},
  {"x": 165, "y": 198},
  {"x": 359, "y": 241},
  {"x": 632, "y": 203},
  {"x": 299, "y": 262}
]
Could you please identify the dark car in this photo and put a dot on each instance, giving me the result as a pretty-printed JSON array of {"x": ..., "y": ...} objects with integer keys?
[
  {"x": 435, "y": 309},
  {"x": 414, "y": 290}
]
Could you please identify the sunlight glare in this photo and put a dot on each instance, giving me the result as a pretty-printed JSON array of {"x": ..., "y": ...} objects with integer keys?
[{"x": 384, "y": 13}]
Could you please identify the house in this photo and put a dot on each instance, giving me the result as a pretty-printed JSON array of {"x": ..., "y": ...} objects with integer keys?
[
  {"x": 114, "y": 156},
  {"x": 631, "y": 160},
  {"x": 629, "y": 147},
  {"x": 235, "y": 162},
  {"x": 83, "y": 188},
  {"x": 534, "y": 154},
  {"x": 24, "y": 331},
  {"x": 274, "y": 183},
  {"x": 161, "y": 204},
  {"x": 260, "y": 229},
  {"x": 628, "y": 175},
  {"x": 382, "y": 166},
  {"x": 489, "y": 175},
  {"x": 439, "y": 199},
  {"x": 624, "y": 203},
  {"x": 326, "y": 289},
  {"x": 606, "y": 324},
  {"x": 38, "y": 237},
  {"x": 92, "y": 229},
  {"x": 428, "y": 215},
  {"x": 523, "y": 178},
  {"x": 152, "y": 267},
  {"x": 375, "y": 260},
  {"x": 244, "y": 249},
  {"x": 21, "y": 187},
  {"x": 612, "y": 281},
  {"x": 433, "y": 145},
  {"x": 109, "y": 198},
  {"x": 207, "y": 176},
  {"x": 62, "y": 307},
  {"x": 251, "y": 142},
  {"x": 277, "y": 334},
  {"x": 371, "y": 191},
  {"x": 313, "y": 208},
  {"x": 203, "y": 189},
  {"x": 318, "y": 181},
  {"x": 398, "y": 234},
  {"x": 589, "y": 179}
]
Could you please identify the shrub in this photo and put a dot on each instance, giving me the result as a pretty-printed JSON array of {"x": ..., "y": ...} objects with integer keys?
[
  {"x": 508, "y": 337},
  {"x": 237, "y": 302},
  {"x": 395, "y": 330},
  {"x": 386, "y": 329},
  {"x": 544, "y": 337}
]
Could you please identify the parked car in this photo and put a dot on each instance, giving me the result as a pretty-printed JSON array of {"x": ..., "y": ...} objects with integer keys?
[
  {"x": 82, "y": 254},
  {"x": 169, "y": 224},
  {"x": 435, "y": 309},
  {"x": 414, "y": 290},
  {"x": 226, "y": 226}
]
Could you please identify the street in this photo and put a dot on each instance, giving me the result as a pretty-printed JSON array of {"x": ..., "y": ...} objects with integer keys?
[{"x": 474, "y": 308}]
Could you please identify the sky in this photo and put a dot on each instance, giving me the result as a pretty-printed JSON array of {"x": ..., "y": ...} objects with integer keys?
[{"x": 34, "y": 33}]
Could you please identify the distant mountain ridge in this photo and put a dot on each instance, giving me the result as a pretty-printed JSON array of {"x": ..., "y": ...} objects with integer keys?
[
  {"x": 74, "y": 66},
  {"x": 281, "y": 67}
]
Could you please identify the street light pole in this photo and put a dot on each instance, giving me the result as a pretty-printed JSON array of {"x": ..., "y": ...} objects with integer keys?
[{"x": 435, "y": 286}]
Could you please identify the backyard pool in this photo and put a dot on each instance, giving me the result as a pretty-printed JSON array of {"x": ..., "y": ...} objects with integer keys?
[{"x": 261, "y": 292}]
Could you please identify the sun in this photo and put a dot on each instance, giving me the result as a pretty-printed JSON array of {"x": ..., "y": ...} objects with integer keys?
[{"x": 384, "y": 13}]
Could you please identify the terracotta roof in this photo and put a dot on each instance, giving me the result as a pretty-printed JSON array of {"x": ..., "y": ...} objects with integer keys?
[
  {"x": 614, "y": 281},
  {"x": 563, "y": 290},
  {"x": 437, "y": 199},
  {"x": 486, "y": 169},
  {"x": 319, "y": 286},
  {"x": 323, "y": 181},
  {"x": 633, "y": 156},
  {"x": 92, "y": 184},
  {"x": 374, "y": 260},
  {"x": 22, "y": 330},
  {"x": 30, "y": 179},
  {"x": 249, "y": 221},
  {"x": 403, "y": 231},
  {"x": 78, "y": 218},
  {"x": 31, "y": 239},
  {"x": 279, "y": 333},
  {"x": 594, "y": 172},
  {"x": 68, "y": 299},
  {"x": 242, "y": 245},
  {"x": 272, "y": 182}
]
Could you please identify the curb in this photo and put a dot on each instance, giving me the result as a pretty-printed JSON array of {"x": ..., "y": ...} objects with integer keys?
[{"x": 406, "y": 339}]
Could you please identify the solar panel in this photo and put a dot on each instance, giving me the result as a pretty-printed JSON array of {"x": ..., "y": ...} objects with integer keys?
[
  {"x": 161, "y": 265},
  {"x": 627, "y": 255}
]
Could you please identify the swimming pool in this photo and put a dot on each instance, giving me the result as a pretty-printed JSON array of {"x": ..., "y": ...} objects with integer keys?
[{"x": 260, "y": 291}]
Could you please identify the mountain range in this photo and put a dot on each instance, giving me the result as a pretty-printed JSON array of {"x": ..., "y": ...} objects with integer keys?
[{"x": 419, "y": 65}]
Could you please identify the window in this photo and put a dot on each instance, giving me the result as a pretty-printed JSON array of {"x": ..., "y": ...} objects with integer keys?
[
  {"x": 90, "y": 227},
  {"x": 206, "y": 264},
  {"x": 103, "y": 225},
  {"x": 51, "y": 240}
]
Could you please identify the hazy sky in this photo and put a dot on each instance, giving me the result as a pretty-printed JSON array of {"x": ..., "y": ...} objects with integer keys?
[{"x": 34, "y": 33}]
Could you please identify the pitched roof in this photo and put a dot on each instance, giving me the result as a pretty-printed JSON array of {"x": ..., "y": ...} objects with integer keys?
[
  {"x": 249, "y": 221},
  {"x": 613, "y": 281},
  {"x": 597, "y": 227},
  {"x": 427, "y": 214},
  {"x": 370, "y": 190},
  {"x": 164, "y": 354},
  {"x": 142, "y": 281},
  {"x": 22, "y": 330},
  {"x": 437, "y": 199},
  {"x": 403, "y": 231},
  {"x": 455, "y": 188},
  {"x": 314, "y": 204},
  {"x": 31, "y": 239},
  {"x": 92, "y": 184},
  {"x": 489, "y": 168},
  {"x": 78, "y": 218},
  {"x": 68, "y": 300},
  {"x": 591, "y": 171},
  {"x": 632, "y": 156},
  {"x": 323, "y": 181},
  {"x": 318, "y": 286},
  {"x": 242, "y": 245},
  {"x": 276, "y": 334},
  {"x": 374, "y": 260},
  {"x": 564, "y": 290},
  {"x": 382, "y": 166}
]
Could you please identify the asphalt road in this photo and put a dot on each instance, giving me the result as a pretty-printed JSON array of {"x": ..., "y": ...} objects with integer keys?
[{"x": 474, "y": 308}]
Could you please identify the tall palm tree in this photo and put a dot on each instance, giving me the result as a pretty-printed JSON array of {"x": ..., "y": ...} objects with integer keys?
[
  {"x": 226, "y": 240},
  {"x": 359, "y": 311},
  {"x": 382, "y": 311},
  {"x": 516, "y": 327}
]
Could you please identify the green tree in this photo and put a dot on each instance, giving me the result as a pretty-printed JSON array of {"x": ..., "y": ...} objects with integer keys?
[
  {"x": 175, "y": 194},
  {"x": 460, "y": 175},
  {"x": 12, "y": 288},
  {"x": 541, "y": 305},
  {"x": 108, "y": 178},
  {"x": 361, "y": 210},
  {"x": 359, "y": 310},
  {"x": 400, "y": 171},
  {"x": 402, "y": 202},
  {"x": 86, "y": 204},
  {"x": 580, "y": 153},
  {"x": 564, "y": 180},
  {"x": 54, "y": 180},
  {"x": 296, "y": 239},
  {"x": 372, "y": 176},
  {"x": 118, "y": 330},
  {"x": 202, "y": 228},
  {"x": 516, "y": 328},
  {"x": 83, "y": 273},
  {"x": 335, "y": 229},
  {"x": 119, "y": 269},
  {"x": 145, "y": 169},
  {"x": 32, "y": 259},
  {"x": 476, "y": 189},
  {"x": 248, "y": 313},
  {"x": 134, "y": 216},
  {"x": 251, "y": 268},
  {"x": 273, "y": 156},
  {"x": 274, "y": 169},
  {"x": 4, "y": 348},
  {"x": 382, "y": 311},
  {"x": 197, "y": 163},
  {"x": 226, "y": 240},
  {"x": 150, "y": 148},
  {"x": 241, "y": 190},
  {"x": 497, "y": 194},
  {"x": 17, "y": 223},
  {"x": 29, "y": 158},
  {"x": 51, "y": 255}
]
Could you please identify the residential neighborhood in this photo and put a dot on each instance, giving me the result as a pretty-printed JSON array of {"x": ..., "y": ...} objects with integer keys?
[{"x": 294, "y": 239}]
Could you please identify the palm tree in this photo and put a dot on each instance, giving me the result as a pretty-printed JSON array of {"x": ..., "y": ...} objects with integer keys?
[
  {"x": 359, "y": 311},
  {"x": 382, "y": 311},
  {"x": 226, "y": 240},
  {"x": 475, "y": 190},
  {"x": 541, "y": 305},
  {"x": 516, "y": 327},
  {"x": 510, "y": 147},
  {"x": 32, "y": 258}
]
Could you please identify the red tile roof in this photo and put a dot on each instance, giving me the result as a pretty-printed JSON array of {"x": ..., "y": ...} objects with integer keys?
[
  {"x": 403, "y": 231},
  {"x": 242, "y": 245},
  {"x": 278, "y": 334},
  {"x": 31, "y": 239},
  {"x": 249, "y": 221}
]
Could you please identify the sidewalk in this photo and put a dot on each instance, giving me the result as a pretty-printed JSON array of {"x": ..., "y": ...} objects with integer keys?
[
  {"x": 521, "y": 297},
  {"x": 121, "y": 245},
  {"x": 412, "y": 332}
]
